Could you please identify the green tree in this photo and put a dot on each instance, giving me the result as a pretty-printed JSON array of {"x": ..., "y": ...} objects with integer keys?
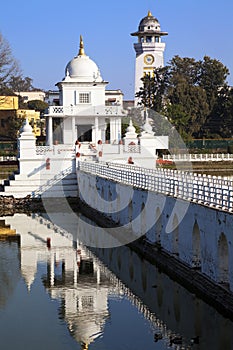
[
  {"x": 37, "y": 105},
  {"x": 220, "y": 120},
  {"x": 192, "y": 103},
  {"x": 145, "y": 92},
  {"x": 212, "y": 77},
  {"x": 152, "y": 92},
  {"x": 15, "y": 123},
  {"x": 185, "y": 68},
  {"x": 193, "y": 95},
  {"x": 179, "y": 119}
]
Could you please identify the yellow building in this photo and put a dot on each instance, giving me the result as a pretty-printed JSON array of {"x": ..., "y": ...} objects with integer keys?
[
  {"x": 9, "y": 111},
  {"x": 9, "y": 102},
  {"x": 33, "y": 118}
]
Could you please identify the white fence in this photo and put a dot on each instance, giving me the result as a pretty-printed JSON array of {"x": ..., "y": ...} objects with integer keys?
[
  {"x": 62, "y": 111},
  {"x": 207, "y": 190},
  {"x": 56, "y": 150},
  {"x": 118, "y": 148},
  {"x": 198, "y": 157}
]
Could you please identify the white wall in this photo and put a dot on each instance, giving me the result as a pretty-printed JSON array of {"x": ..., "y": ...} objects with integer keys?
[
  {"x": 71, "y": 91},
  {"x": 202, "y": 230}
]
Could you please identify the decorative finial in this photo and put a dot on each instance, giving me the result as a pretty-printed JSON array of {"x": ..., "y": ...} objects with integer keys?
[
  {"x": 26, "y": 128},
  {"x": 149, "y": 14},
  {"x": 81, "y": 47},
  {"x": 131, "y": 129}
]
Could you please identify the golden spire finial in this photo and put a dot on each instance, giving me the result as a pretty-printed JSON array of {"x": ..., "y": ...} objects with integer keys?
[
  {"x": 149, "y": 14},
  {"x": 81, "y": 47}
]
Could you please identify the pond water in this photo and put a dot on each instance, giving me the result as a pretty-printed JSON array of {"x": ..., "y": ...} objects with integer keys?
[{"x": 57, "y": 294}]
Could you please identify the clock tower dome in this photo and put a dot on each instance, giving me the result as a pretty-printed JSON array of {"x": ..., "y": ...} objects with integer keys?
[{"x": 149, "y": 49}]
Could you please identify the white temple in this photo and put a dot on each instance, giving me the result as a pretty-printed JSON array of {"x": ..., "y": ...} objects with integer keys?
[
  {"x": 76, "y": 131},
  {"x": 82, "y": 112}
]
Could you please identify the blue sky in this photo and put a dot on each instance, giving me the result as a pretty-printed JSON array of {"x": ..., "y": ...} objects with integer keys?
[{"x": 44, "y": 35}]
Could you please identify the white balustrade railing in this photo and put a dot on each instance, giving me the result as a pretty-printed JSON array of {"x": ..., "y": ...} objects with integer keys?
[
  {"x": 42, "y": 150},
  {"x": 198, "y": 157},
  {"x": 207, "y": 190},
  {"x": 56, "y": 150},
  {"x": 132, "y": 149},
  {"x": 62, "y": 111}
]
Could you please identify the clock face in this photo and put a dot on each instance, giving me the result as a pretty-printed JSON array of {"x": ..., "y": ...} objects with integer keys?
[{"x": 149, "y": 59}]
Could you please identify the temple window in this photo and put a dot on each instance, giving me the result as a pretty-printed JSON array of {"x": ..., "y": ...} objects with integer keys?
[{"x": 84, "y": 97}]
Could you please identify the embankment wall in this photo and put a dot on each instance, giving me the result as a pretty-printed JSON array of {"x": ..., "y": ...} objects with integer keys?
[{"x": 198, "y": 236}]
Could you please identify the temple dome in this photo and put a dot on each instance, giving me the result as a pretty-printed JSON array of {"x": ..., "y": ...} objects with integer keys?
[
  {"x": 82, "y": 69},
  {"x": 149, "y": 23}
]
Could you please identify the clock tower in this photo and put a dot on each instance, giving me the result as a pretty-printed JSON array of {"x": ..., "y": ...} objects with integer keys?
[{"x": 149, "y": 49}]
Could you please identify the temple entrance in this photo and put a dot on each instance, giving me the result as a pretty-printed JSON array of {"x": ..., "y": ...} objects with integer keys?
[
  {"x": 57, "y": 130},
  {"x": 84, "y": 133}
]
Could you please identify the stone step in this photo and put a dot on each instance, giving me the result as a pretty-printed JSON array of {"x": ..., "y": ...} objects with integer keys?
[
  {"x": 44, "y": 176},
  {"x": 58, "y": 193},
  {"x": 21, "y": 188},
  {"x": 49, "y": 184},
  {"x": 41, "y": 182},
  {"x": 31, "y": 186}
]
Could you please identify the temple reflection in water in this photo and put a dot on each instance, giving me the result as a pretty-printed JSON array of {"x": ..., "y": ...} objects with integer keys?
[{"x": 83, "y": 285}]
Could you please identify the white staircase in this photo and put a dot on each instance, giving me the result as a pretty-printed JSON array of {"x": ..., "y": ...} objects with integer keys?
[{"x": 63, "y": 184}]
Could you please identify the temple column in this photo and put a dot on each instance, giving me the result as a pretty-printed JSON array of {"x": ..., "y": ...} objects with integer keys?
[
  {"x": 74, "y": 135},
  {"x": 103, "y": 132},
  {"x": 118, "y": 129},
  {"x": 95, "y": 138},
  {"x": 113, "y": 136},
  {"x": 115, "y": 129},
  {"x": 49, "y": 131}
]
